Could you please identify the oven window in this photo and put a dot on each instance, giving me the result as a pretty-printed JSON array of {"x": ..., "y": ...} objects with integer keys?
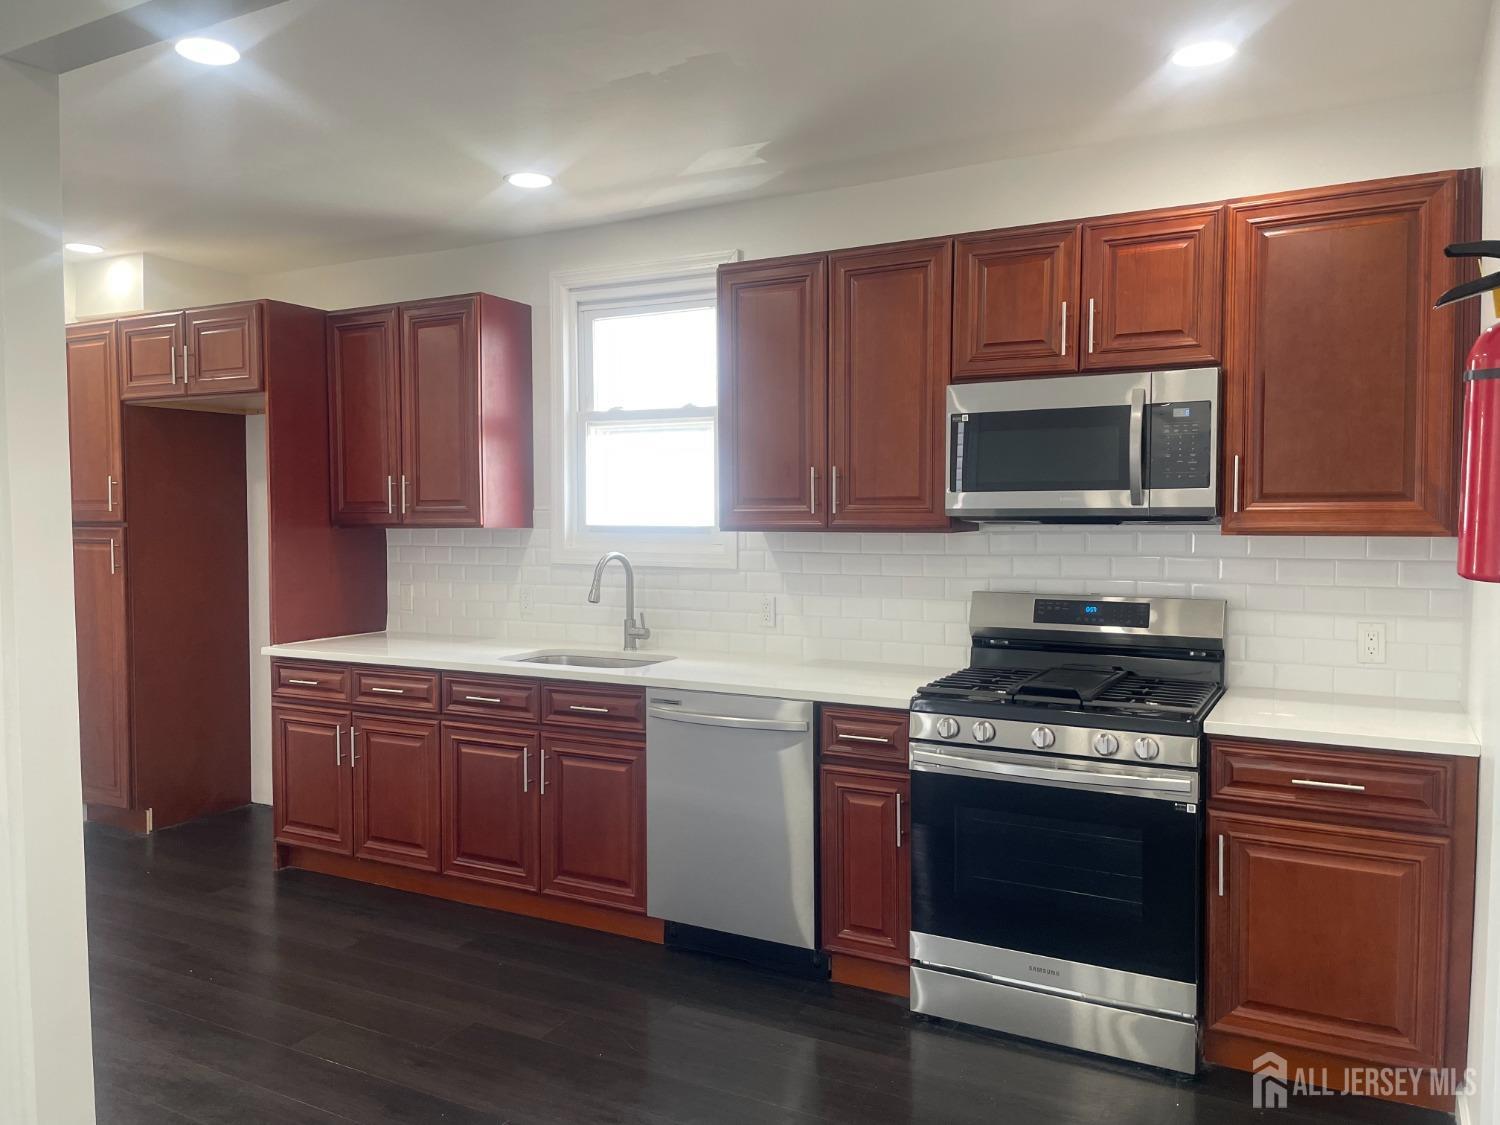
[{"x": 1065, "y": 450}]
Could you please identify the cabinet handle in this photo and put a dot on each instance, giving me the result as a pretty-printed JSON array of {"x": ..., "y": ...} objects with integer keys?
[
  {"x": 403, "y": 494},
  {"x": 525, "y": 770},
  {"x": 185, "y": 365},
  {"x": 1221, "y": 865},
  {"x": 834, "y": 506},
  {"x": 898, "y": 820},
  {"x": 544, "y": 773},
  {"x": 174, "y": 366},
  {"x": 112, "y": 566},
  {"x": 305, "y": 683},
  {"x": 590, "y": 710},
  {"x": 109, "y": 493},
  {"x": 338, "y": 746},
  {"x": 353, "y": 757},
  {"x": 1065, "y": 328},
  {"x": 390, "y": 503},
  {"x": 1091, "y": 326},
  {"x": 388, "y": 691},
  {"x": 863, "y": 738},
  {"x": 1236, "y": 483},
  {"x": 1342, "y": 786},
  {"x": 482, "y": 699},
  {"x": 812, "y": 490}
]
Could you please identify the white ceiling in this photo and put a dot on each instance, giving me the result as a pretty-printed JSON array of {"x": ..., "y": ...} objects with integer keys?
[{"x": 358, "y": 127}]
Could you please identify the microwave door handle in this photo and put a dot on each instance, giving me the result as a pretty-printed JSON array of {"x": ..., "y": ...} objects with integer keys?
[{"x": 1137, "y": 446}]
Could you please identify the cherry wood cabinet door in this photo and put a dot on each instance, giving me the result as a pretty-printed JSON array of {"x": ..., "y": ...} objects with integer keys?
[
  {"x": 103, "y": 674},
  {"x": 397, "y": 805},
  {"x": 224, "y": 350},
  {"x": 866, "y": 867},
  {"x": 440, "y": 477},
  {"x": 490, "y": 804},
  {"x": 890, "y": 325},
  {"x": 312, "y": 779},
  {"x": 151, "y": 359},
  {"x": 1015, "y": 297},
  {"x": 1153, "y": 289},
  {"x": 1330, "y": 938},
  {"x": 593, "y": 797},
  {"x": 365, "y": 414},
  {"x": 1342, "y": 393},
  {"x": 773, "y": 394},
  {"x": 94, "y": 424}
]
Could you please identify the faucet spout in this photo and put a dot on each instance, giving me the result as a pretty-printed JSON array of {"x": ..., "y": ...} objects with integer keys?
[{"x": 635, "y": 631}]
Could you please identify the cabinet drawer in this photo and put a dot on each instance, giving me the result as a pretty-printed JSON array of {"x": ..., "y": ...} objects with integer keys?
[
  {"x": 328, "y": 682},
  {"x": 409, "y": 690},
  {"x": 591, "y": 705},
  {"x": 491, "y": 695},
  {"x": 1408, "y": 790},
  {"x": 875, "y": 737}
]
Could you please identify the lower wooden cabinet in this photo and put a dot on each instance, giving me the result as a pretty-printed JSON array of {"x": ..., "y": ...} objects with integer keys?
[
  {"x": 396, "y": 802},
  {"x": 866, "y": 870},
  {"x": 311, "y": 779},
  {"x": 103, "y": 669},
  {"x": 593, "y": 797},
  {"x": 490, "y": 804}
]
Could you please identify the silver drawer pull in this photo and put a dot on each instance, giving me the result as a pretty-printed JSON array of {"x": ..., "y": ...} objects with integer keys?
[
  {"x": 482, "y": 699},
  {"x": 1343, "y": 786},
  {"x": 590, "y": 710},
  {"x": 388, "y": 690},
  {"x": 864, "y": 738},
  {"x": 306, "y": 683}
]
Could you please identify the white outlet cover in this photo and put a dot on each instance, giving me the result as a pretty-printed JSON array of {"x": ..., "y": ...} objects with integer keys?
[
  {"x": 528, "y": 601},
  {"x": 1369, "y": 642},
  {"x": 768, "y": 611}
]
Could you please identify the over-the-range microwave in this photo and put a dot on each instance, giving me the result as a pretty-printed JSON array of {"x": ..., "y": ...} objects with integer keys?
[{"x": 1087, "y": 448}]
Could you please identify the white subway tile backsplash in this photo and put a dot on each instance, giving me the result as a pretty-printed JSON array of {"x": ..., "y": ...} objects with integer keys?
[{"x": 1295, "y": 603}]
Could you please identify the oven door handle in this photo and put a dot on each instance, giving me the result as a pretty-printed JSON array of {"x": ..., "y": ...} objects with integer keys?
[{"x": 999, "y": 769}]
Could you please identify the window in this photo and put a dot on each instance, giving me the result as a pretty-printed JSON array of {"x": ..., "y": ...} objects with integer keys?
[{"x": 638, "y": 377}]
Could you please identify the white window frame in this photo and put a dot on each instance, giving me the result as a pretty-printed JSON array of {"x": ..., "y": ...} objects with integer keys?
[{"x": 687, "y": 280}]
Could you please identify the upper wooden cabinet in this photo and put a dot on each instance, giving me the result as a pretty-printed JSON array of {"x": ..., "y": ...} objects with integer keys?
[
  {"x": 1341, "y": 413},
  {"x": 151, "y": 359},
  {"x": 431, "y": 413},
  {"x": 832, "y": 375},
  {"x": 210, "y": 351},
  {"x": 1016, "y": 302},
  {"x": 94, "y": 424}
]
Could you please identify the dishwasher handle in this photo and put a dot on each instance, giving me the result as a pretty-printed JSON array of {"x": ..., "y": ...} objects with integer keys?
[{"x": 698, "y": 718}]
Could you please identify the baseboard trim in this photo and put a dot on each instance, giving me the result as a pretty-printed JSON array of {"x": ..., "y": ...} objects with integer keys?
[{"x": 877, "y": 976}]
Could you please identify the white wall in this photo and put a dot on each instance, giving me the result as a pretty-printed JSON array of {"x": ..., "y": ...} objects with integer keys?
[
  {"x": 46, "y": 1075},
  {"x": 260, "y": 610}
]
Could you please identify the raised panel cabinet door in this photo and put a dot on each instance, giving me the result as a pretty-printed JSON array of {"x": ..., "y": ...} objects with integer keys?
[
  {"x": 866, "y": 867},
  {"x": 103, "y": 674},
  {"x": 593, "y": 821},
  {"x": 1342, "y": 393},
  {"x": 490, "y": 794},
  {"x": 94, "y": 424},
  {"x": 1015, "y": 302},
  {"x": 1153, "y": 289},
  {"x": 311, "y": 778},
  {"x": 397, "y": 805},
  {"x": 224, "y": 350},
  {"x": 1333, "y": 938},
  {"x": 440, "y": 474},
  {"x": 773, "y": 394},
  {"x": 365, "y": 416},
  {"x": 890, "y": 325},
  {"x": 152, "y": 364}
]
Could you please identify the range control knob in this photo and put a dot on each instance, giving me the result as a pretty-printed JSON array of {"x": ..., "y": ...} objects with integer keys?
[
  {"x": 1146, "y": 748},
  {"x": 947, "y": 727},
  {"x": 1042, "y": 737},
  {"x": 1106, "y": 744},
  {"x": 984, "y": 731}
]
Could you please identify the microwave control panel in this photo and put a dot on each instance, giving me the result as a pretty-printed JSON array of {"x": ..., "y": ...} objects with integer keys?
[{"x": 1181, "y": 444}]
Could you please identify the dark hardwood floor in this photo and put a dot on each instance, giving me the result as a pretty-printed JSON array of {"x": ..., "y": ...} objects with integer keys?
[{"x": 225, "y": 993}]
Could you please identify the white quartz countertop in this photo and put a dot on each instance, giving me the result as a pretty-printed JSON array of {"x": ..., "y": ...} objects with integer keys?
[
  {"x": 859, "y": 685},
  {"x": 1344, "y": 720}
]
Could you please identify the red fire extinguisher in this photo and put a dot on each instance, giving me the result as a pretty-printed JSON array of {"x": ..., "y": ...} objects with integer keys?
[{"x": 1479, "y": 479}]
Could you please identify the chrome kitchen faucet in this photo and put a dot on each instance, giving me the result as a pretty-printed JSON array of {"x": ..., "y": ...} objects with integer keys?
[{"x": 634, "y": 630}]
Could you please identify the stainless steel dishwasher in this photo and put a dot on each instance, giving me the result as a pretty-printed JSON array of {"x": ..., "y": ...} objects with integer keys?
[{"x": 730, "y": 794}]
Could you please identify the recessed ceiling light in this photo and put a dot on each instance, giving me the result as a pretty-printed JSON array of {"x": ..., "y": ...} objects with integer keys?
[
  {"x": 1207, "y": 53},
  {"x": 209, "y": 52},
  {"x": 529, "y": 179},
  {"x": 83, "y": 248}
]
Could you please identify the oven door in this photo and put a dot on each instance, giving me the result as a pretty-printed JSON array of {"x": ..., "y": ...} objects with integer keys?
[
  {"x": 1070, "y": 875},
  {"x": 1032, "y": 448}
]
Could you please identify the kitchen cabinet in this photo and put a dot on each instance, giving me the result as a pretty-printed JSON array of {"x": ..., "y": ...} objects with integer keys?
[
  {"x": 98, "y": 467},
  {"x": 866, "y": 870},
  {"x": 311, "y": 778},
  {"x": 1015, "y": 305},
  {"x": 832, "y": 376},
  {"x": 208, "y": 351},
  {"x": 1315, "y": 852},
  {"x": 394, "y": 762},
  {"x": 490, "y": 799},
  {"x": 103, "y": 667},
  {"x": 430, "y": 406},
  {"x": 151, "y": 362},
  {"x": 1342, "y": 392},
  {"x": 593, "y": 798}
]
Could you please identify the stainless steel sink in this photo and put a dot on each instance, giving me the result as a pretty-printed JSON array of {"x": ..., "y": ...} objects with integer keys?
[{"x": 591, "y": 660}]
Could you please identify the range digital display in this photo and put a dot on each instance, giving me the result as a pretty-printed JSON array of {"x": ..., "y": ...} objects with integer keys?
[{"x": 1081, "y": 611}]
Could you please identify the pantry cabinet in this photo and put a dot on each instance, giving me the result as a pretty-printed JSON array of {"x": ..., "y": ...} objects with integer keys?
[
  {"x": 100, "y": 613},
  {"x": 430, "y": 406},
  {"x": 1342, "y": 386},
  {"x": 97, "y": 463}
]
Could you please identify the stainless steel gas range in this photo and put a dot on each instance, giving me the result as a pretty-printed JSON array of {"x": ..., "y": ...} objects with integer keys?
[{"x": 1057, "y": 825}]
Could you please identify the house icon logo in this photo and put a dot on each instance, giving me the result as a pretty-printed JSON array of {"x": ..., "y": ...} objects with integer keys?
[{"x": 1268, "y": 1086}]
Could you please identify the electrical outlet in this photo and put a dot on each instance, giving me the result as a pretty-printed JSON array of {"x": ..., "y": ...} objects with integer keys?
[
  {"x": 527, "y": 599},
  {"x": 1370, "y": 640},
  {"x": 768, "y": 611},
  {"x": 404, "y": 596}
]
